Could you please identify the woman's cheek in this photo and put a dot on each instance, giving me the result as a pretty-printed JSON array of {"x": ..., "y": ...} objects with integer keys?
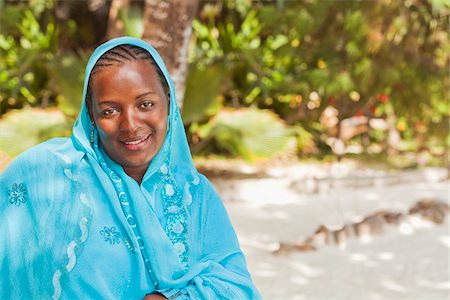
[{"x": 104, "y": 129}]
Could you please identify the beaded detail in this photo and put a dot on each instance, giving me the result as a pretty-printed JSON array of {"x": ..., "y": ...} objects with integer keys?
[
  {"x": 129, "y": 244},
  {"x": 18, "y": 194}
]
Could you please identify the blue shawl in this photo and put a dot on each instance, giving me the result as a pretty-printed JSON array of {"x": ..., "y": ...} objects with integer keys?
[{"x": 74, "y": 225}]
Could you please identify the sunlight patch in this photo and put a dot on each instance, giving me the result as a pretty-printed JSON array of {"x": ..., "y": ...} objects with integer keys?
[
  {"x": 358, "y": 257},
  {"x": 445, "y": 240},
  {"x": 307, "y": 270},
  {"x": 299, "y": 280},
  {"x": 385, "y": 256},
  {"x": 393, "y": 286}
]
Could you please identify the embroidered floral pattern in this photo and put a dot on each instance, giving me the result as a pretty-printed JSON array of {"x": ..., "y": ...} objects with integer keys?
[
  {"x": 111, "y": 235},
  {"x": 18, "y": 194},
  {"x": 175, "y": 213}
]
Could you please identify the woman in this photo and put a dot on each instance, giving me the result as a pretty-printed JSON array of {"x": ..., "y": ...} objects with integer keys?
[{"x": 118, "y": 210}]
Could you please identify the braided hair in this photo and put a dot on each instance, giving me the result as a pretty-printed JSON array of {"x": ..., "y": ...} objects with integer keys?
[{"x": 122, "y": 54}]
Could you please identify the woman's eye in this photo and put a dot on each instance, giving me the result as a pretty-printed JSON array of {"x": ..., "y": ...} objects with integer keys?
[
  {"x": 147, "y": 104},
  {"x": 109, "y": 111}
]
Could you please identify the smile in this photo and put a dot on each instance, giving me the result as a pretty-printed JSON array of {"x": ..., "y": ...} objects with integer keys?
[{"x": 137, "y": 144}]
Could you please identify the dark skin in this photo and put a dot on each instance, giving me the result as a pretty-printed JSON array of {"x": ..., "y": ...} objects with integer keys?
[
  {"x": 154, "y": 297},
  {"x": 130, "y": 111}
]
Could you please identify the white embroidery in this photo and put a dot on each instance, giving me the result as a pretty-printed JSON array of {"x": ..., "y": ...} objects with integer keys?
[
  {"x": 177, "y": 228},
  {"x": 164, "y": 169},
  {"x": 84, "y": 229},
  {"x": 173, "y": 209},
  {"x": 114, "y": 177},
  {"x": 169, "y": 190},
  {"x": 140, "y": 243},
  {"x": 57, "y": 284},
  {"x": 123, "y": 198},
  {"x": 71, "y": 255},
  {"x": 179, "y": 248},
  {"x": 68, "y": 173},
  {"x": 84, "y": 199},
  {"x": 187, "y": 194},
  {"x": 131, "y": 221},
  {"x": 196, "y": 180}
]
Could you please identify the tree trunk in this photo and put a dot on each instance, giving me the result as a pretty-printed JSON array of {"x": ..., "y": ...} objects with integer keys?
[
  {"x": 167, "y": 27},
  {"x": 394, "y": 138},
  {"x": 115, "y": 24}
]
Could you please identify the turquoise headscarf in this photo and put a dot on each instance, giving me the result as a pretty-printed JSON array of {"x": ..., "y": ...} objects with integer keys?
[{"x": 74, "y": 225}]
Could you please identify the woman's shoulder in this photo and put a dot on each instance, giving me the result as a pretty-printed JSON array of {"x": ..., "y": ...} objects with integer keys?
[
  {"x": 36, "y": 153},
  {"x": 37, "y": 170},
  {"x": 206, "y": 190},
  {"x": 206, "y": 183},
  {"x": 36, "y": 160}
]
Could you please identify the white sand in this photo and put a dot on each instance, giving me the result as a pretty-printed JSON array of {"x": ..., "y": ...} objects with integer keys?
[{"x": 406, "y": 262}]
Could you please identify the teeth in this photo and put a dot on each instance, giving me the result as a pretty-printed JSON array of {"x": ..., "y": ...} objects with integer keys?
[{"x": 135, "y": 142}]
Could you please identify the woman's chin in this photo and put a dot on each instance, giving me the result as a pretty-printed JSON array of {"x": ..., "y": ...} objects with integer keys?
[{"x": 135, "y": 163}]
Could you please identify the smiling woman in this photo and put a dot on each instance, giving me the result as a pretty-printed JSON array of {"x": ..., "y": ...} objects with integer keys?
[
  {"x": 129, "y": 108},
  {"x": 118, "y": 210}
]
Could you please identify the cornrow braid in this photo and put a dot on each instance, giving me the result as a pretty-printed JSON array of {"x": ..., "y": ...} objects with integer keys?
[{"x": 123, "y": 54}]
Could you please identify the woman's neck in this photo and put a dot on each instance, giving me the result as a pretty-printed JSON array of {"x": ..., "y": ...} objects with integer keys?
[{"x": 136, "y": 173}]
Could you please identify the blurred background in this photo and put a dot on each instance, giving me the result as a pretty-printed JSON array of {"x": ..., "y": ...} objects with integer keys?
[{"x": 324, "y": 125}]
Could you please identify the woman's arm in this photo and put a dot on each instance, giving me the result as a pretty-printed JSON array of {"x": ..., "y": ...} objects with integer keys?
[
  {"x": 224, "y": 271},
  {"x": 219, "y": 268}
]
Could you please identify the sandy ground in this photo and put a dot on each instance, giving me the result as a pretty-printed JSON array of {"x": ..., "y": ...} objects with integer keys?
[{"x": 410, "y": 261}]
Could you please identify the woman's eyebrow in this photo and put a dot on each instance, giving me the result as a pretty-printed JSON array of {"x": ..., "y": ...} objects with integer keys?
[
  {"x": 112, "y": 102},
  {"x": 106, "y": 102},
  {"x": 145, "y": 94}
]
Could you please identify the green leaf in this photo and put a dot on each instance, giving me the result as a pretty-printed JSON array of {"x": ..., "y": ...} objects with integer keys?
[
  {"x": 27, "y": 94},
  {"x": 250, "y": 133},
  {"x": 277, "y": 41}
]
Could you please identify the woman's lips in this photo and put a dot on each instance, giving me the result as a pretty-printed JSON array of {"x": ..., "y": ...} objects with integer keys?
[{"x": 136, "y": 144}]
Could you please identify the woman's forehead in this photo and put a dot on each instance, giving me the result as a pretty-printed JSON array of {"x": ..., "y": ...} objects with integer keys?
[{"x": 127, "y": 75}]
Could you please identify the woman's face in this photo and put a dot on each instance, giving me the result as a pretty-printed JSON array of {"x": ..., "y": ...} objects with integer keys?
[{"x": 130, "y": 112}]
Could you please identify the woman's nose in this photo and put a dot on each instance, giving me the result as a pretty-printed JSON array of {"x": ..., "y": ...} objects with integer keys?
[{"x": 129, "y": 121}]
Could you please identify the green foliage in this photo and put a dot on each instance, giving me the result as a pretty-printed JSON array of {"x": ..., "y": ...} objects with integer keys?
[
  {"x": 305, "y": 141},
  {"x": 22, "y": 129},
  {"x": 298, "y": 57},
  {"x": 68, "y": 72},
  {"x": 26, "y": 54},
  {"x": 248, "y": 133},
  {"x": 379, "y": 59},
  {"x": 204, "y": 99},
  {"x": 35, "y": 72}
]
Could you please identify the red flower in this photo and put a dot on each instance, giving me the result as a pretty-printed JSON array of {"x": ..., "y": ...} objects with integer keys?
[{"x": 383, "y": 98}]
